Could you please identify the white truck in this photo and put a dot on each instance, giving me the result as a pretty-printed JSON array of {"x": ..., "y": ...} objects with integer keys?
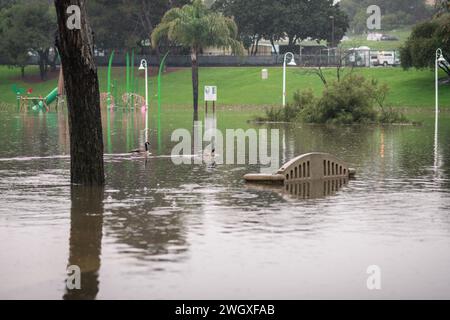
[{"x": 384, "y": 58}]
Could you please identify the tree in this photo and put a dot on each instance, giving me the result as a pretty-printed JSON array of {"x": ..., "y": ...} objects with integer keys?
[
  {"x": 25, "y": 27},
  {"x": 195, "y": 27},
  {"x": 295, "y": 20},
  {"x": 419, "y": 50},
  {"x": 13, "y": 43},
  {"x": 126, "y": 23},
  {"x": 256, "y": 19},
  {"x": 304, "y": 19},
  {"x": 83, "y": 97}
]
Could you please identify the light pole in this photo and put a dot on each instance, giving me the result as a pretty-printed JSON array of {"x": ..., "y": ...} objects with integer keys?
[
  {"x": 144, "y": 66},
  {"x": 439, "y": 59},
  {"x": 291, "y": 63}
]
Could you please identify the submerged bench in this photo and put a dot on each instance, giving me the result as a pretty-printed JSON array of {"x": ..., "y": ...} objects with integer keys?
[{"x": 311, "y": 166}]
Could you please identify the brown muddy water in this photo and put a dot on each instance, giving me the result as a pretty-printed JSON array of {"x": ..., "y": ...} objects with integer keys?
[{"x": 165, "y": 231}]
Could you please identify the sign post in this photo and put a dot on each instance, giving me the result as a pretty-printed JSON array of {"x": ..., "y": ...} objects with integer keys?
[{"x": 210, "y": 96}]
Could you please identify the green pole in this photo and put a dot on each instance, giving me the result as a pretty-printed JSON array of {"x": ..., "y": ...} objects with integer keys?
[
  {"x": 132, "y": 78},
  {"x": 108, "y": 98},
  {"x": 115, "y": 92},
  {"x": 160, "y": 71},
  {"x": 128, "y": 76}
]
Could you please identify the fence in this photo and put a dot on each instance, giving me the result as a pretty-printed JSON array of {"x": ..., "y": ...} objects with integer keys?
[{"x": 357, "y": 58}]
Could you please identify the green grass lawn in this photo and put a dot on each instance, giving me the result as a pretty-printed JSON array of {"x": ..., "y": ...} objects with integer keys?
[{"x": 244, "y": 87}]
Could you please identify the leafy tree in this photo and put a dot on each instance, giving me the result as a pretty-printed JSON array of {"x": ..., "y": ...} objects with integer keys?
[
  {"x": 126, "y": 23},
  {"x": 313, "y": 19},
  {"x": 13, "y": 43},
  {"x": 295, "y": 19},
  {"x": 27, "y": 26},
  {"x": 256, "y": 19},
  {"x": 195, "y": 27},
  {"x": 419, "y": 50}
]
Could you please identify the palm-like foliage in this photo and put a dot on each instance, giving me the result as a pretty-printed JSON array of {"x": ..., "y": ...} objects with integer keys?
[{"x": 196, "y": 27}]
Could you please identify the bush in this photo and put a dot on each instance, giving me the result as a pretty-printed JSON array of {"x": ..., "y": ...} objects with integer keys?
[
  {"x": 276, "y": 114},
  {"x": 354, "y": 99}
]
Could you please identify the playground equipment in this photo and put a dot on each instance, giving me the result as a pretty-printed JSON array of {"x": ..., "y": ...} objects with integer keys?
[
  {"x": 161, "y": 68},
  {"x": 129, "y": 99},
  {"x": 40, "y": 103}
]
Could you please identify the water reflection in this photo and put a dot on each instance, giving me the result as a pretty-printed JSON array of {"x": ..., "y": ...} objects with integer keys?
[
  {"x": 307, "y": 189},
  {"x": 86, "y": 229}
]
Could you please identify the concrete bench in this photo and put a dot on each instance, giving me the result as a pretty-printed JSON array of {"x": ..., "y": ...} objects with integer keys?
[{"x": 307, "y": 167}]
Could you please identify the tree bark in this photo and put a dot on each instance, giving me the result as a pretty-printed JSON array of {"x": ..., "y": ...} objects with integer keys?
[
  {"x": 82, "y": 89},
  {"x": 42, "y": 64},
  {"x": 272, "y": 42},
  {"x": 53, "y": 60},
  {"x": 194, "y": 56}
]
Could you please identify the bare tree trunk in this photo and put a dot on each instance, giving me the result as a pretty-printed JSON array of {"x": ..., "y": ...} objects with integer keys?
[
  {"x": 82, "y": 88},
  {"x": 272, "y": 42},
  {"x": 53, "y": 60},
  {"x": 257, "y": 45},
  {"x": 42, "y": 64},
  {"x": 195, "y": 78}
]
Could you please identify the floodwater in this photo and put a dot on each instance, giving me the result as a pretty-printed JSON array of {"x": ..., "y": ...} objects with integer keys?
[{"x": 165, "y": 231}]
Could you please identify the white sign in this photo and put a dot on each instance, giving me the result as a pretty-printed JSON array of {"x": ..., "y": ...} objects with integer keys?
[{"x": 210, "y": 93}]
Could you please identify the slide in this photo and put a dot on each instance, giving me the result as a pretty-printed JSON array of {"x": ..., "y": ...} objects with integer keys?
[{"x": 48, "y": 99}]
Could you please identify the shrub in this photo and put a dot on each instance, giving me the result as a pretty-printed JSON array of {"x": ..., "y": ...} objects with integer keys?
[
  {"x": 277, "y": 114},
  {"x": 354, "y": 99}
]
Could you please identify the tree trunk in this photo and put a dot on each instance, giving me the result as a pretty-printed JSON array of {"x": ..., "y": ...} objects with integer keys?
[
  {"x": 22, "y": 71},
  {"x": 53, "y": 61},
  {"x": 272, "y": 42},
  {"x": 42, "y": 63},
  {"x": 195, "y": 78},
  {"x": 83, "y": 97},
  {"x": 257, "y": 45}
]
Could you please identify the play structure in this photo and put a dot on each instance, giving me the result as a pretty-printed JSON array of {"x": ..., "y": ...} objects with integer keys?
[
  {"x": 130, "y": 100},
  {"x": 26, "y": 100}
]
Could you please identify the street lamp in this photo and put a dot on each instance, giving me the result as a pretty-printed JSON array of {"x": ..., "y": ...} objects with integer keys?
[
  {"x": 291, "y": 63},
  {"x": 144, "y": 67},
  {"x": 439, "y": 60}
]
